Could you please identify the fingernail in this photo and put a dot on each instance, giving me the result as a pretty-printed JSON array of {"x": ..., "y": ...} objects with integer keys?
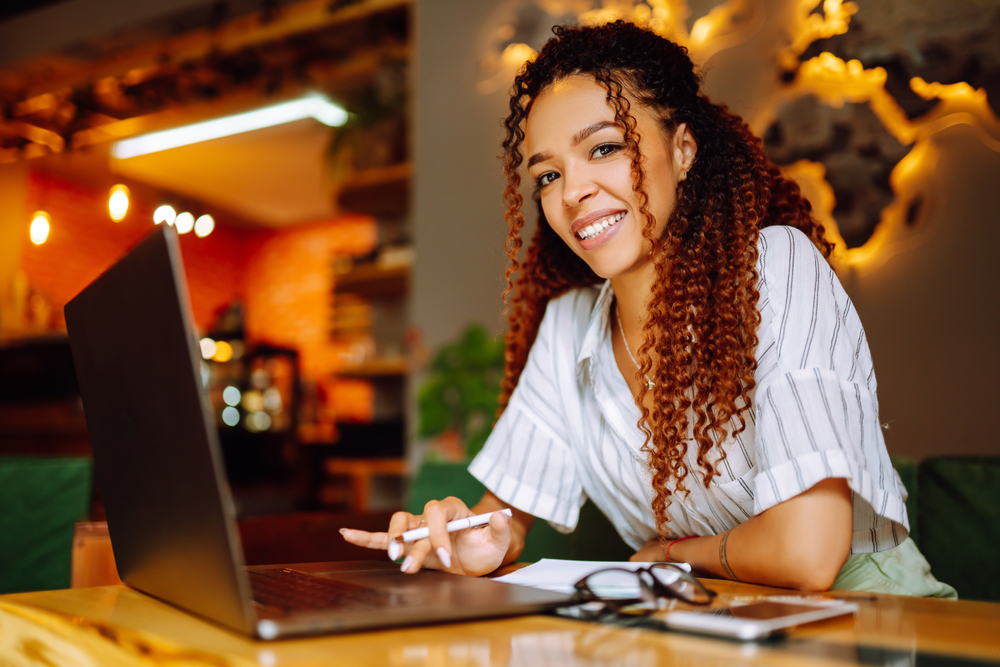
[
  {"x": 444, "y": 556},
  {"x": 343, "y": 531},
  {"x": 407, "y": 562},
  {"x": 393, "y": 550}
]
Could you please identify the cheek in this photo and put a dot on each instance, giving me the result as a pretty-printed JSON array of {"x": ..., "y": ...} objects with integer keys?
[
  {"x": 662, "y": 198},
  {"x": 555, "y": 212}
]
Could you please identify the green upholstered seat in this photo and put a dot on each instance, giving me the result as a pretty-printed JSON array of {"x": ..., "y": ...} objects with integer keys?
[
  {"x": 959, "y": 516},
  {"x": 594, "y": 538},
  {"x": 907, "y": 469},
  {"x": 40, "y": 501}
]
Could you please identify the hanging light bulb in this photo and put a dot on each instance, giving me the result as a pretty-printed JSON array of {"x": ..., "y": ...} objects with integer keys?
[
  {"x": 118, "y": 202},
  {"x": 165, "y": 214},
  {"x": 40, "y": 226},
  {"x": 184, "y": 222},
  {"x": 204, "y": 225}
]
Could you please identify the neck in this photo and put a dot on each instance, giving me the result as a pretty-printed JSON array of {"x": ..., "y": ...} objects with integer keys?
[{"x": 632, "y": 291}]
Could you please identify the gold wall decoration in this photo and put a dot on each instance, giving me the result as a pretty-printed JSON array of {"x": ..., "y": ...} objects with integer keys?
[
  {"x": 524, "y": 25},
  {"x": 891, "y": 115}
]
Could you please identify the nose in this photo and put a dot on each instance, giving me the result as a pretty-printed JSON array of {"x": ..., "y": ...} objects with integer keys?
[{"x": 577, "y": 188}]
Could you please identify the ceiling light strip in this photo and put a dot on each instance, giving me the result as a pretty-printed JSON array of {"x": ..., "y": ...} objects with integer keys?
[{"x": 314, "y": 106}]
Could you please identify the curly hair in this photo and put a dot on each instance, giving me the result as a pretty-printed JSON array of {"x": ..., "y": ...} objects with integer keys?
[{"x": 702, "y": 315}]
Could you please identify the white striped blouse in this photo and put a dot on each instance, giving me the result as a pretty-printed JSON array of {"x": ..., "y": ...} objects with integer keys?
[{"x": 570, "y": 430}]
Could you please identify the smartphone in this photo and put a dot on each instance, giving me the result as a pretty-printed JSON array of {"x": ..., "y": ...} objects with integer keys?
[{"x": 756, "y": 620}]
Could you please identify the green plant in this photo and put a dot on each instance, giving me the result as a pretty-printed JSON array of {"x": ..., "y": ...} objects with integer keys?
[
  {"x": 375, "y": 132},
  {"x": 461, "y": 389}
]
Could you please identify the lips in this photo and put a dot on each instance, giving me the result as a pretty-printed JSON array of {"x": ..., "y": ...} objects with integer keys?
[{"x": 596, "y": 223}]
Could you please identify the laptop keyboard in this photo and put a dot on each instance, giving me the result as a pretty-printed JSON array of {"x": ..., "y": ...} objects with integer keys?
[{"x": 289, "y": 590}]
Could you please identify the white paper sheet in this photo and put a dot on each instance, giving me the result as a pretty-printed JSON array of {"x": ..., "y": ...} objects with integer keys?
[{"x": 553, "y": 574}]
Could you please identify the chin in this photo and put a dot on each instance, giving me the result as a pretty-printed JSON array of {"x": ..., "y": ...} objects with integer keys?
[
  {"x": 608, "y": 269},
  {"x": 622, "y": 256}
]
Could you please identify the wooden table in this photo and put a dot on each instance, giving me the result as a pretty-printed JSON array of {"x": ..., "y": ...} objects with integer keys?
[{"x": 115, "y": 626}]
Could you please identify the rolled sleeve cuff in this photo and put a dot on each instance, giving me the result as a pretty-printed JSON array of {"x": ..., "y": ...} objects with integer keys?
[
  {"x": 880, "y": 520},
  {"x": 562, "y": 516},
  {"x": 525, "y": 465}
]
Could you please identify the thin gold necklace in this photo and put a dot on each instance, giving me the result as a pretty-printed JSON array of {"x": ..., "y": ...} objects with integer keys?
[{"x": 618, "y": 316}]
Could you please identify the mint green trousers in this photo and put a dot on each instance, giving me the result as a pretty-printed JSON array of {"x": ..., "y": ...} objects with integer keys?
[{"x": 901, "y": 571}]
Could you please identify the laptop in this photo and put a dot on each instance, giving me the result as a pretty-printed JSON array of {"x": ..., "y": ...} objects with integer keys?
[{"x": 170, "y": 511}]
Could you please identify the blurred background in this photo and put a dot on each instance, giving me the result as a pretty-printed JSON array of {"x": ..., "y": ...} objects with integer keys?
[{"x": 343, "y": 244}]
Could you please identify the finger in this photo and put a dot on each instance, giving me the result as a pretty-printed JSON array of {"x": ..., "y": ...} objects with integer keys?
[
  {"x": 365, "y": 539},
  {"x": 438, "y": 514},
  {"x": 417, "y": 557},
  {"x": 400, "y": 523},
  {"x": 499, "y": 528}
]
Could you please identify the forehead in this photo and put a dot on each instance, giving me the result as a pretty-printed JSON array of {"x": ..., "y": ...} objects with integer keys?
[{"x": 563, "y": 108}]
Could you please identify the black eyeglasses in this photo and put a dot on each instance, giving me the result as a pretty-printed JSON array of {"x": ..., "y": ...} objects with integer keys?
[{"x": 641, "y": 589}]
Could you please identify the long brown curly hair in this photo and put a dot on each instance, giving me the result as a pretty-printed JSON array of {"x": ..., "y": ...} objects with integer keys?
[{"x": 702, "y": 315}]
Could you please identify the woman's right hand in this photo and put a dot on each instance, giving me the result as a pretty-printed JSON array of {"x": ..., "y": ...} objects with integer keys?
[{"x": 473, "y": 551}]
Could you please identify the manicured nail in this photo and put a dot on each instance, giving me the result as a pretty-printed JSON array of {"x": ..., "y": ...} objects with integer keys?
[
  {"x": 394, "y": 550},
  {"x": 444, "y": 556},
  {"x": 407, "y": 562},
  {"x": 343, "y": 531}
]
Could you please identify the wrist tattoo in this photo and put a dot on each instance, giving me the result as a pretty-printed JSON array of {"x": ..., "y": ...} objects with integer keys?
[{"x": 724, "y": 556}]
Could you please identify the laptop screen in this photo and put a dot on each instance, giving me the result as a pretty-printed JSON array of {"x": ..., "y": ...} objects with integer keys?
[{"x": 158, "y": 464}]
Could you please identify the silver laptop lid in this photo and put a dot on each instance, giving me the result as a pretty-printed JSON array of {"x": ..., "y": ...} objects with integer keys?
[{"x": 158, "y": 464}]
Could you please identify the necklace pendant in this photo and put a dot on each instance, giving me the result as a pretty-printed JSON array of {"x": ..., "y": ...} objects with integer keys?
[{"x": 650, "y": 383}]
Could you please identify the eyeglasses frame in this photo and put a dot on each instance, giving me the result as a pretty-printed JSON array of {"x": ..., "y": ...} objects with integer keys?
[{"x": 654, "y": 591}]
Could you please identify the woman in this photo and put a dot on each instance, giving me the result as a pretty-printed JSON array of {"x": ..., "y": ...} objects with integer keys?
[{"x": 679, "y": 349}]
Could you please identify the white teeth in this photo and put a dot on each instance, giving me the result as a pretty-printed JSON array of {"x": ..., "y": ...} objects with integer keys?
[{"x": 592, "y": 230}]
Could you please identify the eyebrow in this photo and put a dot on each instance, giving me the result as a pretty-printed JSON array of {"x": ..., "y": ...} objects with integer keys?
[{"x": 577, "y": 138}]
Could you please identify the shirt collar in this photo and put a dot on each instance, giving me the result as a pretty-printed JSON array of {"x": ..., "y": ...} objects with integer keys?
[{"x": 597, "y": 328}]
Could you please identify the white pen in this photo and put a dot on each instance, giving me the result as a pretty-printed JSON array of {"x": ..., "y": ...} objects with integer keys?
[{"x": 396, "y": 547}]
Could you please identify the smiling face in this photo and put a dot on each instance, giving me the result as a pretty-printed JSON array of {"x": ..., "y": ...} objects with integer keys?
[{"x": 582, "y": 168}]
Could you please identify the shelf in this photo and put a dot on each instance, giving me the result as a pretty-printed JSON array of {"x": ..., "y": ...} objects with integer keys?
[
  {"x": 316, "y": 434},
  {"x": 381, "y": 192},
  {"x": 360, "y": 473},
  {"x": 371, "y": 281},
  {"x": 376, "y": 368}
]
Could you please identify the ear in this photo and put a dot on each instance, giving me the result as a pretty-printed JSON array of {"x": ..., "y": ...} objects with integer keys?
[{"x": 683, "y": 147}]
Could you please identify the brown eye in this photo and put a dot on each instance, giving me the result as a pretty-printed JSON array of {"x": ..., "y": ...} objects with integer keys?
[
  {"x": 546, "y": 178},
  {"x": 605, "y": 150}
]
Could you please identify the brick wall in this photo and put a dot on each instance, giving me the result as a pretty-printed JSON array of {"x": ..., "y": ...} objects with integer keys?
[
  {"x": 288, "y": 286},
  {"x": 284, "y": 276},
  {"x": 84, "y": 242}
]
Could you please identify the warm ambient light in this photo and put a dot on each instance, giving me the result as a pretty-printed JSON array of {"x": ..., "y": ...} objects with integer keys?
[
  {"x": 223, "y": 352},
  {"x": 165, "y": 214},
  {"x": 314, "y": 106},
  {"x": 203, "y": 226},
  {"x": 272, "y": 400},
  {"x": 253, "y": 401},
  {"x": 40, "y": 225},
  {"x": 258, "y": 421},
  {"x": 184, "y": 222},
  {"x": 118, "y": 202}
]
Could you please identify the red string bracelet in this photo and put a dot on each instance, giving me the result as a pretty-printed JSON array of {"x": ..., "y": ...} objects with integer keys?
[{"x": 666, "y": 553}]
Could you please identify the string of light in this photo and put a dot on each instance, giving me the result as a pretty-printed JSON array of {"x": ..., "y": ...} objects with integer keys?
[
  {"x": 313, "y": 106},
  {"x": 118, "y": 205}
]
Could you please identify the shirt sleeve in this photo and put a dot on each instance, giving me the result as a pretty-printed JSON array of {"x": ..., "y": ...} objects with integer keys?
[
  {"x": 527, "y": 461},
  {"x": 816, "y": 407}
]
